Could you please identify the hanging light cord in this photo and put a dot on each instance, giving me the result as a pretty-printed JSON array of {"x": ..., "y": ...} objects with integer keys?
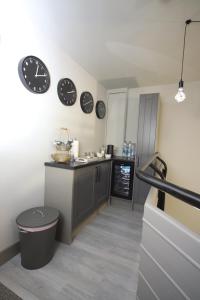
[
  {"x": 187, "y": 22},
  {"x": 180, "y": 96},
  {"x": 183, "y": 55}
]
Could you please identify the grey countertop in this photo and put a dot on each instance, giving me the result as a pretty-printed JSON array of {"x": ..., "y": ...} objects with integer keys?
[
  {"x": 78, "y": 165},
  {"x": 75, "y": 165}
]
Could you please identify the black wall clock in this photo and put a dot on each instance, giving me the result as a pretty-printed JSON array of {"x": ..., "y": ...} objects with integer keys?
[
  {"x": 100, "y": 109},
  {"x": 87, "y": 102},
  {"x": 34, "y": 74},
  {"x": 67, "y": 91}
]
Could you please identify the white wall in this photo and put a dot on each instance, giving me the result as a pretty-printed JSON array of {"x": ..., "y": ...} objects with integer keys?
[
  {"x": 183, "y": 212},
  {"x": 29, "y": 123}
]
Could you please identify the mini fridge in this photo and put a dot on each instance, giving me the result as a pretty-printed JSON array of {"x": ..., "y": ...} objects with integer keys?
[{"x": 122, "y": 178}]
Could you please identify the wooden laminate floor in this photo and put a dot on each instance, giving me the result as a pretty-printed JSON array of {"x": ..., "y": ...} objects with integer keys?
[{"x": 101, "y": 264}]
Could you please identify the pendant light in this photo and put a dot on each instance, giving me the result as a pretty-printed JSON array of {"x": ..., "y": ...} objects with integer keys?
[{"x": 180, "y": 96}]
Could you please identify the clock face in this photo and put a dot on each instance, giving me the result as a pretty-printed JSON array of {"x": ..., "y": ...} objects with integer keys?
[
  {"x": 87, "y": 102},
  {"x": 100, "y": 109},
  {"x": 67, "y": 91},
  {"x": 34, "y": 74}
]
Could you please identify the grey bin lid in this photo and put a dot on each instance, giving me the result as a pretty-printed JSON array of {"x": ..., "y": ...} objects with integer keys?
[{"x": 37, "y": 217}]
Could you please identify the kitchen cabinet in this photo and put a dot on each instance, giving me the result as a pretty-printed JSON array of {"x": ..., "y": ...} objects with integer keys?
[
  {"x": 83, "y": 198},
  {"x": 76, "y": 190},
  {"x": 102, "y": 181},
  {"x": 91, "y": 189}
]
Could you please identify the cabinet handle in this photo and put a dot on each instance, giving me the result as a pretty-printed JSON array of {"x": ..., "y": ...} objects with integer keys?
[
  {"x": 96, "y": 176},
  {"x": 99, "y": 176},
  {"x": 138, "y": 161},
  {"x": 23, "y": 231}
]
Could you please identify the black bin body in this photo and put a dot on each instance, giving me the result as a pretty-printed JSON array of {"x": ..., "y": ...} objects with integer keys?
[{"x": 37, "y": 229}]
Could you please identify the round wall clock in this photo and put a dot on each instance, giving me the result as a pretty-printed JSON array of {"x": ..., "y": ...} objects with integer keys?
[
  {"x": 100, "y": 109},
  {"x": 67, "y": 91},
  {"x": 34, "y": 74},
  {"x": 87, "y": 102}
]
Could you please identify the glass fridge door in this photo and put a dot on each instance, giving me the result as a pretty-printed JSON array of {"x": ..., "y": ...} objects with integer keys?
[{"x": 122, "y": 180}]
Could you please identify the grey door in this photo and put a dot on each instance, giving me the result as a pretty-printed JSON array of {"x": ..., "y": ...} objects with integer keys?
[
  {"x": 146, "y": 139},
  {"x": 102, "y": 181},
  {"x": 83, "y": 200}
]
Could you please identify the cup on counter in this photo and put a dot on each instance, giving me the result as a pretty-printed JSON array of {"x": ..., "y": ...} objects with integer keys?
[
  {"x": 99, "y": 155},
  {"x": 110, "y": 150},
  {"x": 108, "y": 156}
]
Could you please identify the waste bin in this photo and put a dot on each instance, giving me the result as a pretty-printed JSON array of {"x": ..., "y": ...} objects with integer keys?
[{"x": 37, "y": 229}]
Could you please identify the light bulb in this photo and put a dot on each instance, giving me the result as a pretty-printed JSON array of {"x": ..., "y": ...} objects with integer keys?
[{"x": 180, "y": 96}]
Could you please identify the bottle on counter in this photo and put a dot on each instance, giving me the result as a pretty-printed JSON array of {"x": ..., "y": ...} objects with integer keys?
[
  {"x": 75, "y": 148},
  {"x": 129, "y": 149},
  {"x": 132, "y": 152},
  {"x": 103, "y": 150},
  {"x": 124, "y": 149}
]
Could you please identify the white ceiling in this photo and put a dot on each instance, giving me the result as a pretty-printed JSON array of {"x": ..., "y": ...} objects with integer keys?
[{"x": 124, "y": 42}]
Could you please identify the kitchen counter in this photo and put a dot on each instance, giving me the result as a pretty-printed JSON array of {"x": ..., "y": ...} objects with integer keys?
[
  {"x": 75, "y": 165},
  {"x": 78, "y": 165}
]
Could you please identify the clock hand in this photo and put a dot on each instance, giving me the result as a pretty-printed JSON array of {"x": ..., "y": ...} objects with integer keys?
[
  {"x": 36, "y": 74},
  {"x": 43, "y": 75},
  {"x": 70, "y": 92},
  {"x": 87, "y": 102}
]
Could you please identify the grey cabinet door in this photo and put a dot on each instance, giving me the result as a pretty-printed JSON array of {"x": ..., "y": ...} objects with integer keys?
[
  {"x": 83, "y": 194},
  {"x": 102, "y": 181},
  {"x": 146, "y": 139}
]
